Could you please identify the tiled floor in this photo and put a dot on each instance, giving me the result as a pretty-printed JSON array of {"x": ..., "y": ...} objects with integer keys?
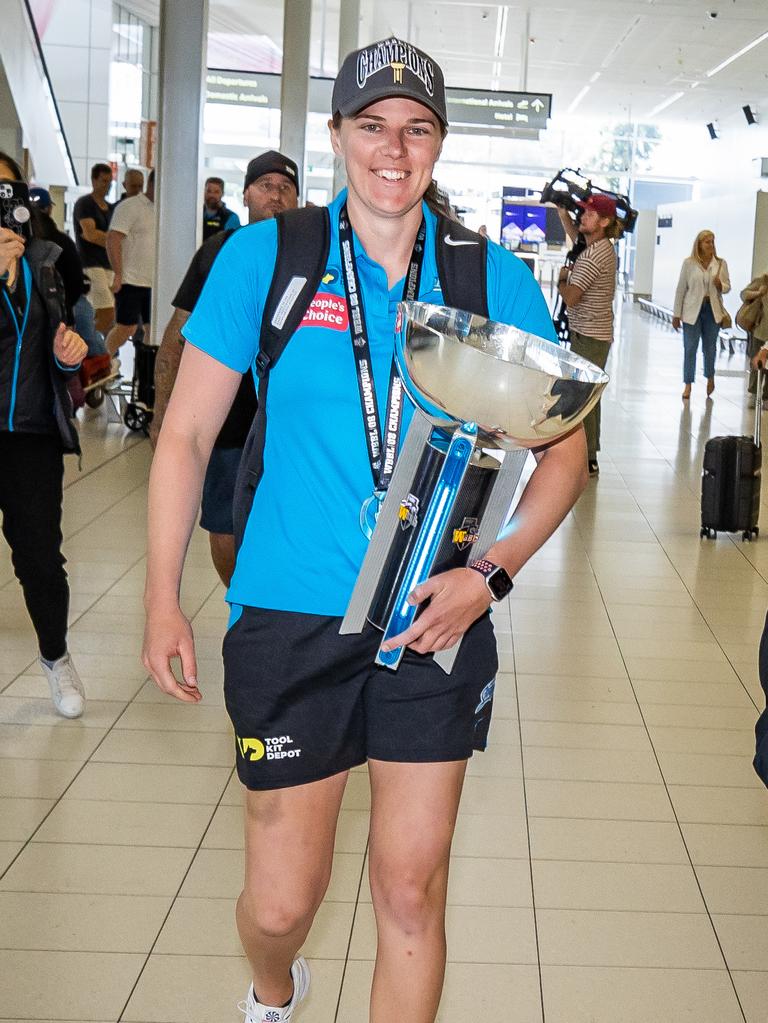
[{"x": 611, "y": 860}]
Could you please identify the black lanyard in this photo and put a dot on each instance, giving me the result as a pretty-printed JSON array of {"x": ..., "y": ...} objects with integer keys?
[{"x": 382, "y": 450}]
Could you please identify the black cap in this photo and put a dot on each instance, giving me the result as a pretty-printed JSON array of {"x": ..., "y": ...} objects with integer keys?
[
  {"x": 391, "y": 67},
  {"x": 272, "y": 163}
]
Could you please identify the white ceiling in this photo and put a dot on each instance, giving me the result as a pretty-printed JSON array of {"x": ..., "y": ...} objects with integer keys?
[{"x": 645, "y": 51}]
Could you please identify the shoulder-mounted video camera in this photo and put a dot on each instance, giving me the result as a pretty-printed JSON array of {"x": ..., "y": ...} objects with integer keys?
[{"x": 569, "y": 187}]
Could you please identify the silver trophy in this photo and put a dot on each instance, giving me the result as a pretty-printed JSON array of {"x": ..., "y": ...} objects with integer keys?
[{"x": 476, "y": 385}]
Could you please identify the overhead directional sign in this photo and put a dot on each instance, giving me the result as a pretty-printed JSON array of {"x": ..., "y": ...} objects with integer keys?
[
  {"x": 242, "y": 87},
  {"x": 498, "y": 109},
  {"x": 511, "y": 112}
]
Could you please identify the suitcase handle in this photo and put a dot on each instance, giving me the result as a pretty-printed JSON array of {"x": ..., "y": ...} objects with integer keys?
[{"x": 758, "y": 405}]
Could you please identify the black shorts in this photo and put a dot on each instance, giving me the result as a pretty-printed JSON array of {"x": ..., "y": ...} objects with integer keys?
[
  {"x": 219, "y": 490},
  {"x": 133, "y": 305},
  {"x": 307, "y": 703}
]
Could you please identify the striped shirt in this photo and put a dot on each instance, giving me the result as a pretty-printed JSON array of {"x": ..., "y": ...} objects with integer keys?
[{"x": 595, "y": 273}]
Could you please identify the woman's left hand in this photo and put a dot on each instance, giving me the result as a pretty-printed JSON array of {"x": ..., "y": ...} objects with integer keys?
[
  {"x": 457, "y": 599},
  {"x": 717, "y": 283},
  {"x": 68, "y": 347}
]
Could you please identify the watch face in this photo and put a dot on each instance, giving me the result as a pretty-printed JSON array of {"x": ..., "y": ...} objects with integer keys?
[{"x": 499, "y": 583}]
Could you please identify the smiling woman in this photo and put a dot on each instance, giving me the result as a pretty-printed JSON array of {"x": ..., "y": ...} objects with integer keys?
[
  {"x": 420, "y": 127},
  {"x": 336, "y": 412}
]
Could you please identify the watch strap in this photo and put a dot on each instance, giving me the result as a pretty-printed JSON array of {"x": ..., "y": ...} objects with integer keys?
[
  {"x": 493, "y": 573},
  {"x": 483, "y": 566}
]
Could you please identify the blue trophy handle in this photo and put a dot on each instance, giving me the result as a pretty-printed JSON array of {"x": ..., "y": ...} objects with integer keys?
[{"x": 438, "y": 513}]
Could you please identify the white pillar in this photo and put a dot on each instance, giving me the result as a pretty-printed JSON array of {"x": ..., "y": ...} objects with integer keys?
[
  {"x": 525, "y": 51},
  {"x": 294, "y": 88},
  {"x": 183, "y": 49},
  {"x": 349, "y": 35}
]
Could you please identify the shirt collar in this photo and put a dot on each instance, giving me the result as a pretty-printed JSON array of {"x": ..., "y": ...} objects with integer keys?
[{"x": 429, "y": 267}]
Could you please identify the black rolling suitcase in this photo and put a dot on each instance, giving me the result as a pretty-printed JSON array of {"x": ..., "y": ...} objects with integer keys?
[{"x": 730, "y": 486}]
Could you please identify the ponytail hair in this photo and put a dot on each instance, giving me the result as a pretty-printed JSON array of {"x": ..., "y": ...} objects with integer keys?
[
  {"x": 615, "y": 230},
  {"x": 438, "y": 202}
]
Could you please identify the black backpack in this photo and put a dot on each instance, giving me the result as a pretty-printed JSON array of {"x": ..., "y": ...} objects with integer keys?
[{"x": 303, "y": 243}]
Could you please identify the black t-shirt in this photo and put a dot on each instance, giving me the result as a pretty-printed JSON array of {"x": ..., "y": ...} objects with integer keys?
[
  {"x": 234, "y": 432},
  {"x": 32, "y": 397},
  {"x": 86, "y": 208}
]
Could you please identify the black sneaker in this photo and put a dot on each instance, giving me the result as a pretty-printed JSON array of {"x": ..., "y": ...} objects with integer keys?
[{"x": 593, "y": 467}]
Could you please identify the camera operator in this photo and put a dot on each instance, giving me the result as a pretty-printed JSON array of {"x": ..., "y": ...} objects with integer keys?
[{"x": 587, "y": 288}]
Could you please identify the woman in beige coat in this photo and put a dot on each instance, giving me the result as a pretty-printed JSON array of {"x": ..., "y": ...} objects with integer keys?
[
  {"x": 758, "y": 288},
  {"x": 699, "y": 306}
]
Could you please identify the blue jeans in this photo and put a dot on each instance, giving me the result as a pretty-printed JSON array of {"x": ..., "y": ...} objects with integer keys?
[
  {"x": 86, "y": 327},
  {"x": 707, "y": 329}
]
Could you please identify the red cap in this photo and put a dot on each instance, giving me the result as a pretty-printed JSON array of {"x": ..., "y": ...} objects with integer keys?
[{"x": 601, "y": 204}]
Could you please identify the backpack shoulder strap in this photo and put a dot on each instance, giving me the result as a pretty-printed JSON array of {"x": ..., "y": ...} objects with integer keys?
[
  {"x": 303, "y": 242},
  {"x": 462, "y": 266}
]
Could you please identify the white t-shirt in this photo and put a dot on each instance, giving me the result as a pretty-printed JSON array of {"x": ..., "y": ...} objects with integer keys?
[{"x": 135, "y": 218}]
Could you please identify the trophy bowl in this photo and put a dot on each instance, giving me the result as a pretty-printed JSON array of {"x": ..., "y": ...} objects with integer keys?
[{"x": 521, "y": 390}]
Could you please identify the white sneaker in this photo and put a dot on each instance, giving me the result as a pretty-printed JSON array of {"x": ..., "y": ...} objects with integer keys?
[
  {"x": 751, "y": 401},
  {"x": 255, "y": 1012},
  {"x": 67, "y": 691}
]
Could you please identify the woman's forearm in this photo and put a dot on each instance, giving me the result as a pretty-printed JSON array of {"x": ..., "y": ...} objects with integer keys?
[
  {"x": 175, "y": 486},
  {"x": 551, "y": 492},
  {"x": 199, "y": 404}
]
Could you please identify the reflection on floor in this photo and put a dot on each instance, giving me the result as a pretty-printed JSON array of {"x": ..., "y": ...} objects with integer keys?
[{"x": 611, "y": 861}]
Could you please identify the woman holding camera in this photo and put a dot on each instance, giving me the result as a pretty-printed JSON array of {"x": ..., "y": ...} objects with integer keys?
[
  {"x": 38, "y": 353},
  {"x": 699, "y": 307}
]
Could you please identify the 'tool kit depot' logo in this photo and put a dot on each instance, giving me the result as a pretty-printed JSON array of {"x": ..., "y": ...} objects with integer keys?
[{"x": 278, "y": 747}]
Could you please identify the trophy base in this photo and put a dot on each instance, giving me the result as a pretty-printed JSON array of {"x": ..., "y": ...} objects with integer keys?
[
  {"x": 387, "y": 553},
  {"x": 458, "y": 539}
]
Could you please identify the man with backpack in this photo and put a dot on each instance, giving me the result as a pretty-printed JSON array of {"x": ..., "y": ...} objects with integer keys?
[{"x": 271, "y": 185}]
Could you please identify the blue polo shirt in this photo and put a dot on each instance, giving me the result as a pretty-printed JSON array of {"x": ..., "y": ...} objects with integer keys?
[{"x": 303, "y": 546}]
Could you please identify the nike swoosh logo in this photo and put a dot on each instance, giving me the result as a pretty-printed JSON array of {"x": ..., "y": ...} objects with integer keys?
[{"x": 456, "y": 241}]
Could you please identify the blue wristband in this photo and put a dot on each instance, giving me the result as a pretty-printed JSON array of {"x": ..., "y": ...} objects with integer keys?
[{"x": 67, "y": 369}]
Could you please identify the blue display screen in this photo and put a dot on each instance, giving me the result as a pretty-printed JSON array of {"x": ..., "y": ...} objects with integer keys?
[{"x": 523, "y": 226}]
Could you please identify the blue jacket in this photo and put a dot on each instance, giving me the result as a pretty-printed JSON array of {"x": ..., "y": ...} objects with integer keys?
[{"x": 24, "y": 366}]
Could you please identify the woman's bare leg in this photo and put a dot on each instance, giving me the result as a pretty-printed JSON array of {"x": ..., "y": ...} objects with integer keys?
[
  {"x": 413, "y": 815},
  {"x": 289, "y": 837}
]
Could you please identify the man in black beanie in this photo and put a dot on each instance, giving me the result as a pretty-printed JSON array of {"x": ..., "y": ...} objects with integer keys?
[{"x": 271, "y": 185}]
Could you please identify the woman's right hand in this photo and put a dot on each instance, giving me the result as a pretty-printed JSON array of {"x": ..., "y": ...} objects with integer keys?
[
  {"x": 168, "y": 634},
  {"x": 676, "y": 322},
  {"x": 11, "y": 249}
]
